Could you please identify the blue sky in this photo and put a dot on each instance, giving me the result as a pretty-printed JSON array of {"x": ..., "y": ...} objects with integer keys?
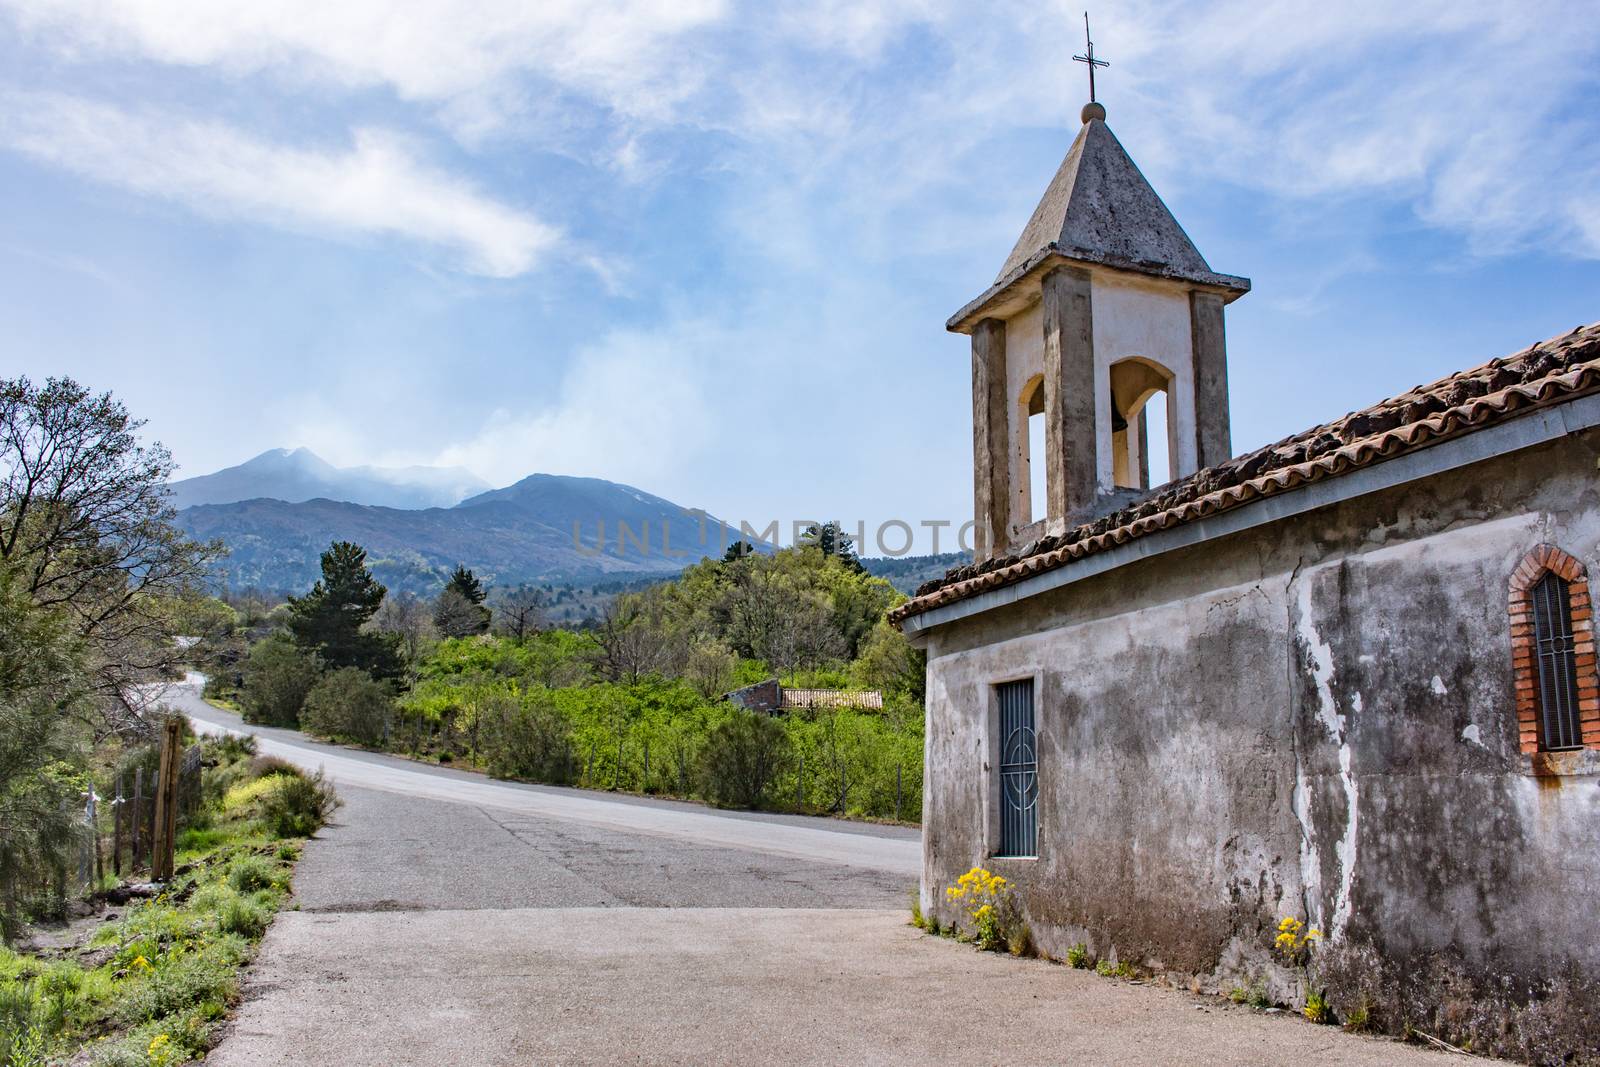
[{"x": 707, "y": 248}]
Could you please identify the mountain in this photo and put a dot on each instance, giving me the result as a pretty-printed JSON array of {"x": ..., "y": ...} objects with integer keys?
[
  {"x": 905, "y": 573},
  {"x": 299, "y": 475},
  {"x": 542, "y": 528}
]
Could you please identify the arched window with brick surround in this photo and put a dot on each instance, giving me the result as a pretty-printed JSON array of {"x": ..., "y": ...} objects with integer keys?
[{"x": 1553, "y": 654}]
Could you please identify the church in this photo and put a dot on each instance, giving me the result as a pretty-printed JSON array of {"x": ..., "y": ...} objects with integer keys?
[{"x": 1348, "y": 678}]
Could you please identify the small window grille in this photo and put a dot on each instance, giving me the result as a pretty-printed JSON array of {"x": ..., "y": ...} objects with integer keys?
[
  {"x": 1558, "y": 671},
  {"x": 1019, "y": 770}
]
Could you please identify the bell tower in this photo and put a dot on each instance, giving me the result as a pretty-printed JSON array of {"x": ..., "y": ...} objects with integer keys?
[{"x": 1103, "y": 304}]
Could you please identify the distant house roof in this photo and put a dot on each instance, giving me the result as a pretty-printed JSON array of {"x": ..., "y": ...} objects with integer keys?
[
  {"x": 832, "y": 698},
  {"x": 1544, "y": 374},
  {"x": 771, "y": 697}
]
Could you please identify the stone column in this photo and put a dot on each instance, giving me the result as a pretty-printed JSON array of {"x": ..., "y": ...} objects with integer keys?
[
  {"x": 991, "y": 470},
  {"x": 1069, "y": 398},
  {"x": 1144, "y": 446},
  {"x": 1213, "y": 437}
]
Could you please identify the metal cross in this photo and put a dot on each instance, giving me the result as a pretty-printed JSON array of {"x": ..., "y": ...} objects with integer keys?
[{"x": 1089, "y": 58}]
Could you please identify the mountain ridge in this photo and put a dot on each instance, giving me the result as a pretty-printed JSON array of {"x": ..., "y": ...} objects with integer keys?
[
  {"x": 541, "y": 528},
  {"x": 298, "y": 475}
]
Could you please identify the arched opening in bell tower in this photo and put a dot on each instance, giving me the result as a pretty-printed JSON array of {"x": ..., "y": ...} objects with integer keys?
[
  {"x": 1142, "y": 432},
  {"x": 1032, "y": 492}
]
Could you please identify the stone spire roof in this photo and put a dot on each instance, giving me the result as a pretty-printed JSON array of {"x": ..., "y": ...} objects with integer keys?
[{"x": 1100, "y": 209}]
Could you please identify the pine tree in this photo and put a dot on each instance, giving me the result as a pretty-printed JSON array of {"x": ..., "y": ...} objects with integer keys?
[
  {"x": 466, "y": 583},
  {"x": 833, "y": 541},
  {"x": 459, "y": 611},
  {"x": 328, "y": 621}
]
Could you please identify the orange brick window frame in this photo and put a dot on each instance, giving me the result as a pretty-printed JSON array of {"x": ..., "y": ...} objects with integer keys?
[{"x": 1524, "y": 667}]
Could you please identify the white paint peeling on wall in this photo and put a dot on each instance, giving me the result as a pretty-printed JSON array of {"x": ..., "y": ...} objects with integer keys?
[
  {"x": 1471, "y": 736},
  {"x": 1310, "y": 860},
  {"x": 1438, "y": 686},
  {"x": 1334, "y": 722}
]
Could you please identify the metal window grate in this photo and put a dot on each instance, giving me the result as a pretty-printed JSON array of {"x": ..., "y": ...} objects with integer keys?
[
  {"x": 1019, "y": 770},
  {"x": 1558, "y": 670}
]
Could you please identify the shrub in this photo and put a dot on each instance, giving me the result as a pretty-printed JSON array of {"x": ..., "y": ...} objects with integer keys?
[
  {"x": 248, "y": 798},
  {"x": 299, "y": 806},
  {"x": 237, "y": 915},
  {"x": 277, "y": 679},
  {"x": 526, "y": 738},
  {"x": 1078, "y": 956},
  {"x": 232, "y": 747},
  {"x": 181, "y": 982},
  {"x": 741, "y": 757},
  {"x": 349, "y": 705},
  {"x": 249, "y": 873},
  {"x": 267, "y": 766}
]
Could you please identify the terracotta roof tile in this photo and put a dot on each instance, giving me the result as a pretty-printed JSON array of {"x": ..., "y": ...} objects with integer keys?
[{"x": 1547, "y": 373}]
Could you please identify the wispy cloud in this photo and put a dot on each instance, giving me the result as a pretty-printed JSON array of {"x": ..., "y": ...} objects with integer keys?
[
  {"x": 375, "y": 185},
  {"x": 634, "y": 406},
  {"x": 895, "y": 99},
  {"x": 428, "y": 50}
]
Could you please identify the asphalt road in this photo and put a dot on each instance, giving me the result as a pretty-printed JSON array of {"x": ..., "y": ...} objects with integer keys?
[{"x": 447, "y": 919}]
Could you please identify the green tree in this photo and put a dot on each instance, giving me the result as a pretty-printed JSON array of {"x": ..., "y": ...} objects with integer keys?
[
  {"x": 890, "y": 663},
  {"x": 348, "y": 704},
  {"x": 329, "y": 620},
  {"x": 526, "y": 737},
  {"x": 41, "y": 748},
  {"x": 86, "y": 528},
  {"x": 741, "y": 758},
  {"x": 459, "y": 611},
  {"x": 737, "y": 551},
  {"x": 277, "y": 677},
  {"x": 831, "y": 539},
  {"x": 466, "y": 583}
]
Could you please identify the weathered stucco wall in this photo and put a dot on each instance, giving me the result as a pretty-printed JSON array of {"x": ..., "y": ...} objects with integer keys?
[{"x": 1314, "y": 717}]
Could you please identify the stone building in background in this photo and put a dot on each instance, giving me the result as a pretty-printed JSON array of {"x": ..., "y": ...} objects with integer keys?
[{"x": 1349, "y": 677}]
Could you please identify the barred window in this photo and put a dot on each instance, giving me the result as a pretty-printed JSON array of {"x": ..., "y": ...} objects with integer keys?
[
  {"x": 1557, "y": 689},
  {"x": 1553, "y": 671}
]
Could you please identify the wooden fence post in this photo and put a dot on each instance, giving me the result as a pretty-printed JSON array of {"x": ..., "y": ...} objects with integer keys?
[
  {"x": 137, "y": 859},
  {"x": 94, "y": 837},
  {"x": 116, "y": 828},
  {"x": 166, "y": 828}
]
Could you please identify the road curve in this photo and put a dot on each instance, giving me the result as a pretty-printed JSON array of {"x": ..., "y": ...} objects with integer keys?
[{"x": 892, "y": 850}]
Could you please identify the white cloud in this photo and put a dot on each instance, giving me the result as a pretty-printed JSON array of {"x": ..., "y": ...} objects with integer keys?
[
  {"x": 634, "y": 407},
  {"x": 430, "y": 50},
  {"x": 896, "y": 100},
  {"x": 376, "y": 185}
]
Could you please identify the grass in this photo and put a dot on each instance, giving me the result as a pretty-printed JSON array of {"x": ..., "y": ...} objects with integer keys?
[
  {"x": 151, "y": 987},
  {"x": 1255, "y": 994}
]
